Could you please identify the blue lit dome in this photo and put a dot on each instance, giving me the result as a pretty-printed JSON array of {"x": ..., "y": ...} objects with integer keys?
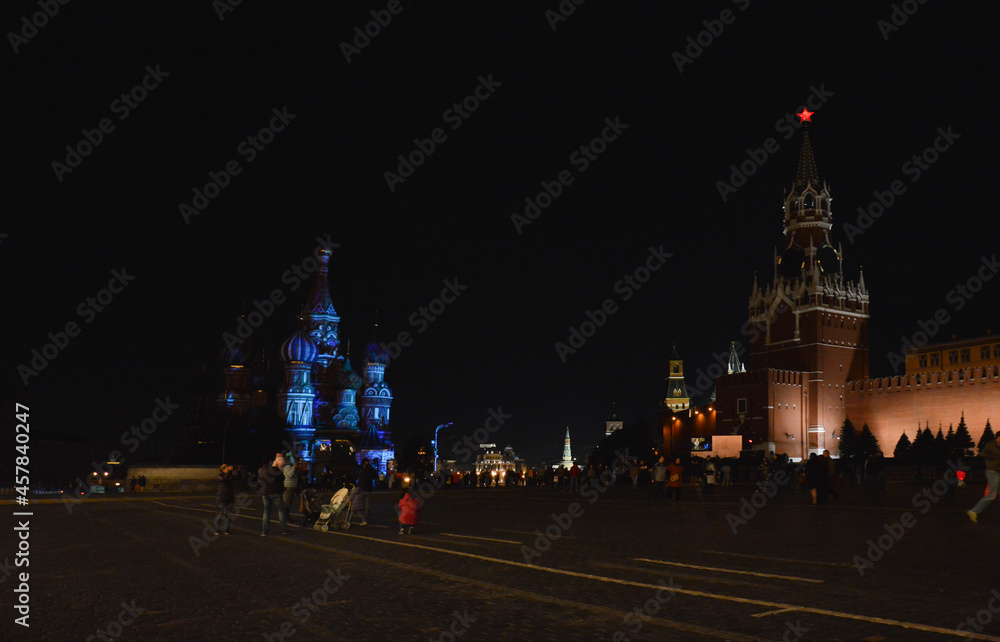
[
  {"x": 375, "y": 354},
  {"x": 299, "y": 347},
  {"x": 239, "y": 354}
]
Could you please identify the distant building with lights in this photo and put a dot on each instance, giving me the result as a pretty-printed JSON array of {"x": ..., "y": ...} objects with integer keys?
[
  {"x": 614, "y": 421},
  {"x": 809, "y": 352},
  {"x": 490, "y": 460}
]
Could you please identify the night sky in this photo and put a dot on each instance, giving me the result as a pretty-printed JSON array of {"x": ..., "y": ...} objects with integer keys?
[{"x": 881, "y": 94}]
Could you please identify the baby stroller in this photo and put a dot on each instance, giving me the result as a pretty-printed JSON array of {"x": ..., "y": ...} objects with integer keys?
[
  {"x": 310, "y": 507},
  {"x": 335, "y": 513}
]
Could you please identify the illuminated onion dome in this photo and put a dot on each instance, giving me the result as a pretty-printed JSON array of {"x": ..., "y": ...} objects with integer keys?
[
  {"x": 242, "y": 354},
  {"x": 375, "y": 354},
  {"x": 299, "y": 347}
]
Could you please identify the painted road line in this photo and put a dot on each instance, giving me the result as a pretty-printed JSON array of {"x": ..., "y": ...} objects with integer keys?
[
  {"x": 772, "y": 612},
  {"x": 534, "y": 534},
  {"x": 779, "y": 559},
  {"x": 730, "y": 570},
  {"x": 488, "y": 539},
  {"x": 915, "y": 626}
]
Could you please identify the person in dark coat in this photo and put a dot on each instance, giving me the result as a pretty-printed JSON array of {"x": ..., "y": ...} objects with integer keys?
[
  {"x": 817, "y": 475},
  {"x": 224, "y": 499},
  {"x": 366, "y": 484},
  {"x": 271, "y": 481}
]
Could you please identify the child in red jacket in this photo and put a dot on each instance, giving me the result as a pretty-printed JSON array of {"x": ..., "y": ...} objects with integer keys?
[{"x": 409, "y": 511}]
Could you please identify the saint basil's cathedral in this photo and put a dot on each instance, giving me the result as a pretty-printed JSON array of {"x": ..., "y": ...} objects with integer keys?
[{"x": 330, "y": 415}]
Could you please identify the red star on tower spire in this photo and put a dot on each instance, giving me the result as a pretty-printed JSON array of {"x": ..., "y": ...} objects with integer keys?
[{"x": 805, "y": 116}]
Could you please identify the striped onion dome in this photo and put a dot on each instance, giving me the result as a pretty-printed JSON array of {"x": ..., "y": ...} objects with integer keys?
[{"x": 299, "y": 347}]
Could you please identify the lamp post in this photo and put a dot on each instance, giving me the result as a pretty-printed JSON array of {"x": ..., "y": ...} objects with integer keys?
[{"x": 435, "y": 442}]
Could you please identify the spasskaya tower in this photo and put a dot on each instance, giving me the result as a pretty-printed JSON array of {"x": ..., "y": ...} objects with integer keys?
[{"x": 808, "y": 332}]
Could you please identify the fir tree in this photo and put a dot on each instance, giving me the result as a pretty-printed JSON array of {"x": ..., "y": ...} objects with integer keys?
[
  {"x": 950, "y": 438},
  {"x": 963, "y": 440},
  {"x": 902, "y": 449},
  {"x": 987, "y": 437},
  {"x": 940, "y": 448},
  {"x": 867, "y": 443},
  {"x": 848, "y": 441},
  {"x": 922, "y": 451}
]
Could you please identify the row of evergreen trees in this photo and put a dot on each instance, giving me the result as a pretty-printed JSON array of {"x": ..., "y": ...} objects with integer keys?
[{"x": 926, "y": 447}]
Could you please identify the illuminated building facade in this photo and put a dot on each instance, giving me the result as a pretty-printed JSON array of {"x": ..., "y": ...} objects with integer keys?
[
  {"x": 808, "y": 333},
  {"x": 809, "y": 351},
  {"x": 971, "y": 353},
  {"x": 319, "y": 397}
]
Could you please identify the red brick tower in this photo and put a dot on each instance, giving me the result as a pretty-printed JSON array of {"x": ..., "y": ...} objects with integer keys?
[{"x": 808, "y": 333}]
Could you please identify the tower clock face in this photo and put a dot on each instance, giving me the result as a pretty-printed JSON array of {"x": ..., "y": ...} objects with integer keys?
[
  {"x": 828, "y": 260},
  {"x": 791, "y": 262}
]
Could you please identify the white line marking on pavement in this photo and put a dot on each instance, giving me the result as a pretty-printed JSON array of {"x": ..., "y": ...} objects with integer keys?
[
  {"x": 502, "y": 530},
  {"x": 729, "y": 570},
  {"x": 488, "y": 539},
  {"x": 779, "y": 559},
  {"x": 772, "y": 612},
  {"x": 712, "y": 596}
]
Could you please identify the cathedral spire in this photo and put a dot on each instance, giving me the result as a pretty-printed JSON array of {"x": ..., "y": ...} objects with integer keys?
[
  {"x": 807, "y": 164},
  {"x": 319, "y": 298}
]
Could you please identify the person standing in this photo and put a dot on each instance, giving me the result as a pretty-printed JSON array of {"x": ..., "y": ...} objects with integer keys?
[
  {"x": 142, "y": 483},
  {"x": 710, "y": 477},
  {"x": 634, "y": 473},
  {"x": 831, "y": 478},
  {"x": 224, "y": 499},
  {"x": 271, "y": 481},
  {"x": 816, "y": 474},
  {"x": 290, "y": 482},
  {"x": 991, "y": 456},
  {"x": 574, "y": 477},
  {"x": 366, "y": 484},
  {"x": 659, "y": 478},
  {"x": 675, "y": 480}
]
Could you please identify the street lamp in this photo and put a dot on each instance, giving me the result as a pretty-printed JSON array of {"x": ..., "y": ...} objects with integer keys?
[{"x": 435, "y": 442}]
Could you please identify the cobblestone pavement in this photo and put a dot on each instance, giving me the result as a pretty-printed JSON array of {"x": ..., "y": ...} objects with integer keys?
[{"x": 622, "y": 567}]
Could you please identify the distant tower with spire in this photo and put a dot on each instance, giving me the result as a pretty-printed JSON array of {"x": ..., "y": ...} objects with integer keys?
[
  {"x": 808, "y": 331},
  {"x": 614, "y": 421},
  {"x": 677, "y": 396},
  {"x": 323, "y": 325},
  {"x": 567, "y": 459}
]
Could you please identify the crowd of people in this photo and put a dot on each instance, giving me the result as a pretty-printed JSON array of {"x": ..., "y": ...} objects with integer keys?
[{"x": 280, "y": 481}]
